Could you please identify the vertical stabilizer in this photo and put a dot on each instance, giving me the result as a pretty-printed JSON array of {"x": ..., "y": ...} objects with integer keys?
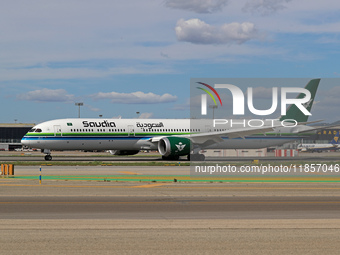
[
  {"x": 335, "y": 139},
  {"x": 293, "y": 112}
]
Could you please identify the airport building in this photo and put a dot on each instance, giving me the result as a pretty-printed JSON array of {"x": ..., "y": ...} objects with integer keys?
[
  {"x": 323, "y": 136},
  {"x": 11, "y": 134}
]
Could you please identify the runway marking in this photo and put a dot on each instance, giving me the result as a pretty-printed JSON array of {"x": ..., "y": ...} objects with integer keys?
[
  {"x": 173, "y": 202},
  {"x": 150, "y": 185},
  {"x": 186, "y": 178},
  {"x": 128, "y": 172},
  {"x": 60, "y": 186},
  {"x": 154, "y": 185}
]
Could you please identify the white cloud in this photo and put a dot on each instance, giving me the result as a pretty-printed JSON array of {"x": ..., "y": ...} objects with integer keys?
[
  {"x": 265, "y": 7},
  {"x": 198, "y": 6},
  {"x": 145, "y": 115},
  {"x": 44, "y": 73},
  {"x": 47, "y": 95},
  {"x": 328, "y": 108},
  {"x": 91, "y": 108},
  {"x": 198, "y": 32},
  {"x": 135, "y": 97},
  {"x": 186, "y": 106},
  {"x": 263, "y": 93}
]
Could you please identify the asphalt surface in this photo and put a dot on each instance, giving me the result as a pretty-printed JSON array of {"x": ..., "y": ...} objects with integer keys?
[
  {"x": 159, "y": 159},
  {"x": 148, "y": 207},
  {"x": 147, "y": 157},
  {"x": 108, "y": 217}
]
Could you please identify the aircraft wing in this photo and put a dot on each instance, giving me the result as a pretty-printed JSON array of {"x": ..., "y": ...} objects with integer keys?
[
  {"x": 309, "y": 122},
  {"x": 216, "y": 137},
  {"x": 317, "y": 128},
  {"x": 208, "y": 138}
]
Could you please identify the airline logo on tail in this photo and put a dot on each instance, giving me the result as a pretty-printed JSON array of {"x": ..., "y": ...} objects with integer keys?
[
  {"x": 307, "y": 104},
  {"x": 302, "y": 102},
  {"x": 336, "y": 139}
]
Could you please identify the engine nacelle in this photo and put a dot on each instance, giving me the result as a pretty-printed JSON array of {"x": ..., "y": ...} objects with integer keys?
[
  {"x": 174, "y": 146},
  {"x": 123, "y": 152}
]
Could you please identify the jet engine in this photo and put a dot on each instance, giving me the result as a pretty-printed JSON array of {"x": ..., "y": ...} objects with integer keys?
[{"x": 173, "y": 147}]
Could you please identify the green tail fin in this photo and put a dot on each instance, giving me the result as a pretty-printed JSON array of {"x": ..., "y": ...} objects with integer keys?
[{"x": 293, "y": 112}]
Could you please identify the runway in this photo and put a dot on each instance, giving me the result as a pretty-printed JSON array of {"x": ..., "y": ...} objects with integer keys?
[
  {"x": 74, "y": 156},
  {"x": 168, "y": 207},
  {"x": 97, "y": 216},
  {"x": 169, "y": 237},
  {"x": 166, "y": 173},
  {"x": 130, "y": 159}
]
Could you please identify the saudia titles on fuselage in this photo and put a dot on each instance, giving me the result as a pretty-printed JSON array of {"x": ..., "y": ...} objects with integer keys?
[
  {"x": 150, "y": 125},
  {"x": 104, "y": 123}
]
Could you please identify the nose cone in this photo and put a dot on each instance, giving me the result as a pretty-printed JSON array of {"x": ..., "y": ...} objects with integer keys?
[{"x": 25, "y": 141}]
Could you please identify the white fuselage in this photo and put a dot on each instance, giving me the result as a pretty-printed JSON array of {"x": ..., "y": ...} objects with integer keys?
[
  {"x": 137, "y": 134},
  {"x": 317, "y": 147}
]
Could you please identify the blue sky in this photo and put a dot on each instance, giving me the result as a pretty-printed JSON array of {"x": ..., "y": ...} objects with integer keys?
[{"x": 120, "y": 57}]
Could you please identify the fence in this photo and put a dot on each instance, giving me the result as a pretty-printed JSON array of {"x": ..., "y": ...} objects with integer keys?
[{"x": 7, "y": 169}]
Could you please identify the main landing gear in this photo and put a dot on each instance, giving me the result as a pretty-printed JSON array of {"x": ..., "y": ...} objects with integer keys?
[
  {"x": 170, "y": 158},
  {"x": 196, "y": 157}
]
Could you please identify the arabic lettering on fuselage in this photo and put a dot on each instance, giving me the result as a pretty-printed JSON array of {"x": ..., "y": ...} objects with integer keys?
[
  {"x": 149, "y": 125},
  {"x": 104, "y": 123}
]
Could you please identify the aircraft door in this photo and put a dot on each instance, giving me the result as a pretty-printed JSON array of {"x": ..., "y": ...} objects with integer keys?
[
  {"x": 131, "y": 130},
  {"x": 57, "y": 130}
]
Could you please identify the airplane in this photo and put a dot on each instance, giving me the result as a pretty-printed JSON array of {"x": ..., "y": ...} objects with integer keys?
[
  {"x": 318, "y": 147},
  {"x": 171, "y": 137}
]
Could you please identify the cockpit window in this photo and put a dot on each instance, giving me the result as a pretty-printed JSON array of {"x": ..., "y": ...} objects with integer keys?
[
  {"x": 32, "y": 130},
  {"x": 38, "y": 130}
]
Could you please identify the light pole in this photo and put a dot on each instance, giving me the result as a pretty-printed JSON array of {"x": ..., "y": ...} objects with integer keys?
[
  {"x": 213, "y": 107},
  {"x": 79, "y": 104}
]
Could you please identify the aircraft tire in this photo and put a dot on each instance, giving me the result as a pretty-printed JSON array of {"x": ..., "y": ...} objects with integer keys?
[
  {"x": 170, "y": 158},
  {"x": 196, "y": 157},
  {"x": 48, "y": 157}
]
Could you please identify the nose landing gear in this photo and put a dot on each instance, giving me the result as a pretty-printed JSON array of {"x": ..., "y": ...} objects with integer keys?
[{"x": 48, "y": 156}]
